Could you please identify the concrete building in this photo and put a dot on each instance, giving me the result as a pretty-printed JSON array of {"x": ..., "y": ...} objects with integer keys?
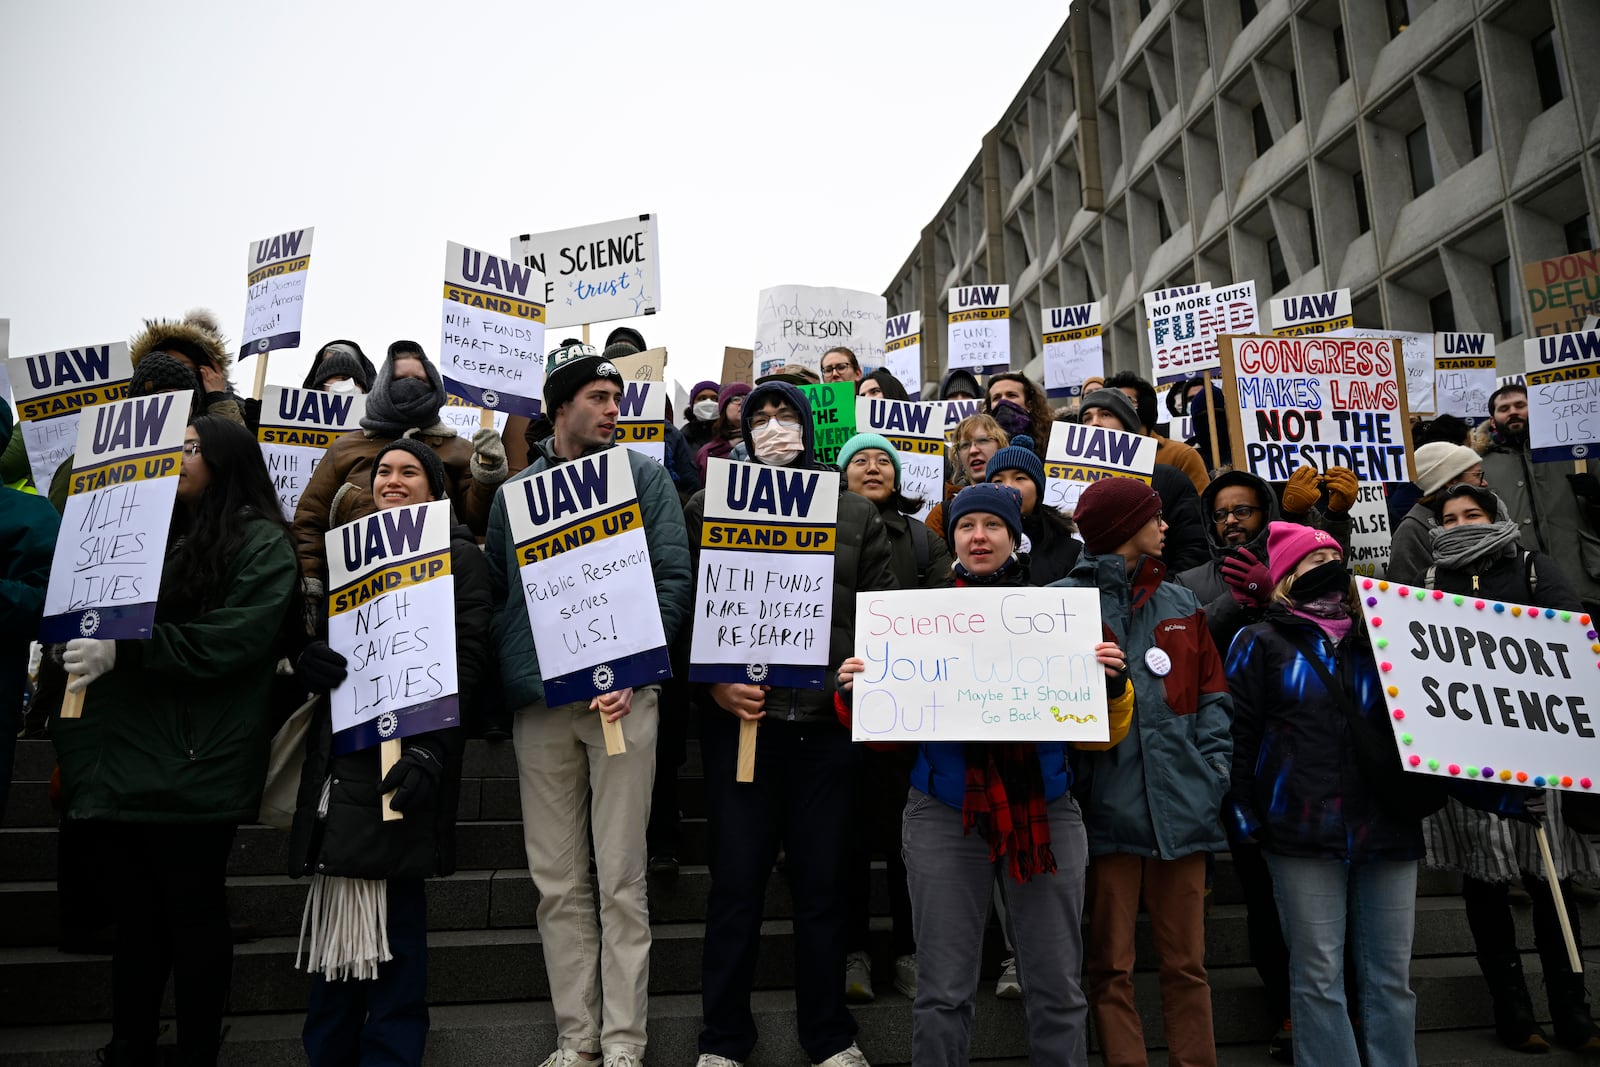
[{"x": 1416, "y": 152}]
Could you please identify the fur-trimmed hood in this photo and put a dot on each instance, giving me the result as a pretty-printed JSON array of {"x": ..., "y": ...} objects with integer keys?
[
  {"x": 197, "y": 335},
  {"x": 1483, "y": 438}
]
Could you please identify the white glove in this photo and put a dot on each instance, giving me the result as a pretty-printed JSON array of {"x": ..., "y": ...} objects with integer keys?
[{"x": 87, "y": 659}]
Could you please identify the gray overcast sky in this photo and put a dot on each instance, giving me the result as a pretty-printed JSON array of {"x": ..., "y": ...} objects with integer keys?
[{"x": 146, "y": 144}]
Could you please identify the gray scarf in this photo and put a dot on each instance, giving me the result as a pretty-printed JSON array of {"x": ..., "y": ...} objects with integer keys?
[
  {"x": 393, "y": 407},
  {"x": 1459, "y": 546}
]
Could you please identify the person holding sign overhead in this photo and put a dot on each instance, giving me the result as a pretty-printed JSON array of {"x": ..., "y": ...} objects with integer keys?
[{"x": 171, "y": 749}]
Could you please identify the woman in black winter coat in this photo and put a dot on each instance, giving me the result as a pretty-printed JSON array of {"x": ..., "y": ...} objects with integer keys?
[{"x": 373, "y": 1007}]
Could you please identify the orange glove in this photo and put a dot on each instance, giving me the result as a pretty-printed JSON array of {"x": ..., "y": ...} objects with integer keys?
[
  {"x": 1302, "y": 492},
  {"x": 1343, "y": 489}
]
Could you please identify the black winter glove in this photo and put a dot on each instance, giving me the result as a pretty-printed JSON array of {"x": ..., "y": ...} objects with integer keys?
[
  {"x": 414, "y": 779},
  {"x": 320, "y": 668}
]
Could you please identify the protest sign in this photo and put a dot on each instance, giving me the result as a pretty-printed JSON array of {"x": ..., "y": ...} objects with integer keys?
[
  {"x": 833, "y": 415},
  {"x": 642, "y": 419},
  {"x": 1296, "y": 316},
  {"x": 1184, "y": 329},
  {"x": 949, "y": 413},
  {"x": 297, "y": 426},
  {"x": 647, "y": 366},
  {"x": 1563, "y": 382},
  {"x": 595, "y": 273},
  {"x": 918, "y": 437},
  {"x": 1079, "y": 455},
  {"x": 798, "y": 323},
  {"x": 275, "y": 298},
  {"x": 585, "y": 567},
  {"x": 902, "y": 350},
  {"x": 1463, "y": 374},
  {"x": 1370, "y": 536},
  {"x": 49, "y": 391},
  {"x": 491, "y": 347},
  {"x": 738, "y": 365},
  {"x": 106, "y": 572},
  {"x": 1563, "y": 293},
  {"x": 979, "y": 665},
  {"x": 467, "y": 419},
  {"x": 1072, "y": 348},
  {"x": 392, "y": 615},
  {"x": 763, "y": 607},
  {"x": 5, "y": 353},
  {"x": 1317, "y": 400},
  {"x": 1416, "y": 350},
  {"x": 979, "y": 329},
  {"x": 1480, "y": 689}
]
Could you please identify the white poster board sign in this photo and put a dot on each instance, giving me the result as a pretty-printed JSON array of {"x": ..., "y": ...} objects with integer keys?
[
  {"x": 1078, "y": 456},
  {"x": 275, "y": 296},
  {"x": 1184, "y": 329},
  {"x": 979, "y": 336},
  {"x": 1072, "y": 348},
  {"x": 1463, "y": 369},
  {"x": 1563, "y": 382},
  {"x": 297, "y": 426},
  {"x": 595, "y": 273},
  {"x": 642, "y": 418},
  {"x": 798, "y": 323},
  {"x": 1416, "y": 351},
  {"x": 466, "y": 419},
  {"x": 917, "y": 434},
  {"x": 106, "y": 572},
  {"x": 902, "y": 350},
  {"x": 763, "y": 607},
  {"x": 51, "y": 389},
  {"x": 1370, "y": 536},
  {"x": 950, "y": 412},
  {"x": 586, "y": 577},
  {"x": 1480, "y": 689},
  {"x": 979, "y": 665},
  {"x": 1296, "y": 316},
  {"x": 491, "y": 347},
  {"x": 392, "y": 615}
]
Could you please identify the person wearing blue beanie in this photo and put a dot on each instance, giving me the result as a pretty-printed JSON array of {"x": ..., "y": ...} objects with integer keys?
[
  {"x": 1001, "y": 501},
  {"x": 1047, "y": 535}
]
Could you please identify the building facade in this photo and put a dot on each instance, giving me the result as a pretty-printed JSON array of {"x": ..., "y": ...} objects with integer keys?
[{"x": 1416, "y": 152}]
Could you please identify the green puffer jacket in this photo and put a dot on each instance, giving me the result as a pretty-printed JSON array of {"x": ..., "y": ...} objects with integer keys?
[
  {"x": 522, "y": 681},
  {"x": 179, "y": 730}
]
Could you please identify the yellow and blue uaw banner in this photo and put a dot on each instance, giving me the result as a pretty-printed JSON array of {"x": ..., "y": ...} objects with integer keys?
[
  {"x": 275, "y": 274},
  {"x": 586, "y": 577},
  {"x": 642, "y": 419},
  {"x": 491, "y": 343},
  {"x": 763, "y": 608},
  {"x": 50, "y": 391},
  {"x": 297, "y": 426}
]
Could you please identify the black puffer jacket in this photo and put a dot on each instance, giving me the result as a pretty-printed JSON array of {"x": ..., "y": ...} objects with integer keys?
[
  {"x": 903, "y": 553},
  {"x": 1052, "y": 550},
  {"x": 1225, "y": 616},
  {"x": 354, "y": 841}
]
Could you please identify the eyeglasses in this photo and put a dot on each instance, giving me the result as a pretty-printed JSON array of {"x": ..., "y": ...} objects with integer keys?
[
  {"x": 1242, "y": 512},
  {"x": 977, "y": 442},
  {"x": 191, "y": 448}
]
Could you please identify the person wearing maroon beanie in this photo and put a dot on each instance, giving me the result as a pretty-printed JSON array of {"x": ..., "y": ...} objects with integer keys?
[{"x": 1151, "y": 804}]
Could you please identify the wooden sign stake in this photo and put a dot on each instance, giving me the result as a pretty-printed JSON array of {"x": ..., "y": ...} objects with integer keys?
[
  {"x": 388, "y": 756},
  {"x": 615, "y": 744},
  {"x": 747, "y": 750},
  {"x": 1555, "y": 894},
  {"x": 72, "y": 703},
  {"x": 261, "y": 375}
]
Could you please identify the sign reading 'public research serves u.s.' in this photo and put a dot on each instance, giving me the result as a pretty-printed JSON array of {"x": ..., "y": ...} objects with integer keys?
[
  {"x": 106, "y": 572},
  {"x": 763, "y": 607},
  {"x": 491, "y": 348},
  {"x": 275, "y": 277},
  {"x": 608, "y": 270},
  {"x": 1563, "y": 380},
  {"x": 584, "y": 560},
  {"x": 50, "y": 391}
]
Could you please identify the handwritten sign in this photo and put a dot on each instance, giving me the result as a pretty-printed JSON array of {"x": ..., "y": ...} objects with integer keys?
[
  {"x": 1072, "y": 348},
  {"x": 52, "y": 388},
  {"x": 1296, "y": 316},
  {"x": 1370, "y": 536},
  {"x": 1563, "y": 382},
  {"x": 902, "y": 350},
  {"x": 392, "y": 615},
  {"x": 275, "y": 297},
  {"x": 1485, "y": 690},
  {"x": 1416, "y": 351},
  {"x": 466, "y": 419},
  {"x": 1563, "y": 293},
  {"x": 1317, "y": 400},
  {"x": 979, "y": 665},
  {"x": 763, "y": 608},
  {"x": 798, "y": 323},
  {"x": 918, "y": 436},
  {"x": 491, "y": 348},
  {"x": 596, "y": 273},
  {"x": 106, "y": 572},
  {"x": 979, "y": 320},
  {"x": 833, "y": 418},
  {"x": 1184, "y": 329},
  {"x": 1078, "y": 456},
  {"x": 297, "y": 426},
  {"x": 585, "y": 567},
  {"x": 1463, "y": 370},
  {"x": 738, "y": 365},
  {"x": 642, "y": 419}
]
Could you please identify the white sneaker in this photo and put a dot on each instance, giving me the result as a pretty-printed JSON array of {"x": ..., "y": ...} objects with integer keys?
[
  {"x": 858, "y": 978},
  {"x": 1008, "y": 988},
  {"x": 905, "y": 976},
  {"x": 561, "y": 1057},
  {"x": 621, "y": 1057},
  {"x": 850, "y": 1057},
  {"x": 708, "y": 1060}
]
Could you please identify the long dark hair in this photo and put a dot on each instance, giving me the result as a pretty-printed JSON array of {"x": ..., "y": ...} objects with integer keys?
[{"x": 208, "y": 532}]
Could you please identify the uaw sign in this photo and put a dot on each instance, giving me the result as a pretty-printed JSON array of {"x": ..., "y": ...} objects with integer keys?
[
  {"x": 275, "y": 297},
  {"x": 491, "y": 349}
]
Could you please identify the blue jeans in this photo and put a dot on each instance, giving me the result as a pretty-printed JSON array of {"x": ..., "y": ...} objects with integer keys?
[{"x": 1373, "y": 903}]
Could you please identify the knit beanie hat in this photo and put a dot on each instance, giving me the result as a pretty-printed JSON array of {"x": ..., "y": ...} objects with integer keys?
[
  {"x": 1112, "y": 510},
  {"x": 1288, "y": 543},
  {"x": 1439, "y": 462},
  {"x": 340, "y": 359},
  {"x": 870, "y": 440},
  {"x": 432, "y": 465},
  {"x": 1116, "y": 402},
  {"x": 627, "y": 335},
  {"x": 1001, "y": 501},
  {"x": 161, "y": 373},
  {"x": 571, "y": 367},
  {"x": 1018, "y": 456},
  {"x": 701, "y": 387},
  {"x": 731, "y": 392}
]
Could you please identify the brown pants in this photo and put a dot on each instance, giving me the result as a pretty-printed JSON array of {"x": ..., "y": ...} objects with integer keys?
[{"x": 1174, "y": 897}]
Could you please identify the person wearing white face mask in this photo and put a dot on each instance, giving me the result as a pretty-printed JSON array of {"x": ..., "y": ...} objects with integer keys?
[
  {"x": 340, "y": 367},
  {"x": 700, "y": 421}
]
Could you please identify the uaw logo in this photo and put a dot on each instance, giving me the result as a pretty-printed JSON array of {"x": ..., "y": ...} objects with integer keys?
[
  {"x": 491, "y": 399},
  {"x": 1579, "y": 451},
  {"x": 603, "y": 677},
  {"x": 756, "y": 672},
  {"x": 388, "y": 723},
  {"x": 263, "y": 344},
  {"x": 89, "y": 623}
]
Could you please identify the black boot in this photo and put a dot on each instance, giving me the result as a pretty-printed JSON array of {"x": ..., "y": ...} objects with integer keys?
[
  {"x": 1514, "y": 1022},
  {"x": 1569, "y": 1009},
  {"x": 127, "y": 1054}
]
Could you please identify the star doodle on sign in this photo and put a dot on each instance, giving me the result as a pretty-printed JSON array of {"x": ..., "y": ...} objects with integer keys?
[{"x": 638, "y": 272}]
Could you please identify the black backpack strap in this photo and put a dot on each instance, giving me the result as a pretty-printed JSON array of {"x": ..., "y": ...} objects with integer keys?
[
  {"x": 919, "y": 544},
  {"x": 1298, "y": 638},
  {"x": 1530, "y": 573}
]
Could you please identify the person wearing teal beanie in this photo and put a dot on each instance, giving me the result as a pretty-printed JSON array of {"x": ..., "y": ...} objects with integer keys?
[{"x": 870, "y": 440}]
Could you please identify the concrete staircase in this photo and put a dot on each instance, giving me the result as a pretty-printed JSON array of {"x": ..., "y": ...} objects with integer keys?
[{"x": 487, "y": 978}]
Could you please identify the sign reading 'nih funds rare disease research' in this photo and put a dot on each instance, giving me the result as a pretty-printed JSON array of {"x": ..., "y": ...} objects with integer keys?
[
  {"x": 491, "y": 348},
  {"x": 763, "y": 607},
  {"x": 51, "y": 389},
  {"x": 275, "y": 300},
  {"x": 297, "y": 426},
  {"x": 585, "y": 565},
  {"x": 392, "y": 615},
  {"x": 106, "y": 572}
]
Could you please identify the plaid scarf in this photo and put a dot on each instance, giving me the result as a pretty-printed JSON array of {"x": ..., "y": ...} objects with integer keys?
[{"x": 1004, "y": 801}]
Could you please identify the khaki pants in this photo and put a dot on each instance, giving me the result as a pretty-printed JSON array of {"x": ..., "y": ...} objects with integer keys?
[{"x": 569, "y": 784}]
